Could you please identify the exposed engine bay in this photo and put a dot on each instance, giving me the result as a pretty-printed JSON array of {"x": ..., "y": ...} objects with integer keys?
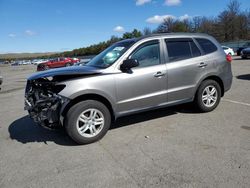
[
  {"x": 43, "y": 102},
  {"x": 42, "y": 99}
]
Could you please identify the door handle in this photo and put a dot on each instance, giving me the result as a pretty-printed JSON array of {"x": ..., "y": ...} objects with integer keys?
[
  {"x": 159, "y": 74},
  {"x": 202, "y": 64}
]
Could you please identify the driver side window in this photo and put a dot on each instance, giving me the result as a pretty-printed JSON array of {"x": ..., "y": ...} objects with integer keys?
[{"x": 148, "y": 54}]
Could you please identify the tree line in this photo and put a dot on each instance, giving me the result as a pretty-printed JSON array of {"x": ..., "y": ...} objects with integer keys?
[{"x": 232, "y": 24}]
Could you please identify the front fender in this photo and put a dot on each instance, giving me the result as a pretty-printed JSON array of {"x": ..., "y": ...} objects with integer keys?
[{"x": 102, "y": 86}]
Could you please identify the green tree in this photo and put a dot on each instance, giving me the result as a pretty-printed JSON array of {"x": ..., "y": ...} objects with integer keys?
[{"x": 134, "y": 34}]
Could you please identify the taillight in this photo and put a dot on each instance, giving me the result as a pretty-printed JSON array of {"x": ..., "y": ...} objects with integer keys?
[{"x": 229, "y": 58}]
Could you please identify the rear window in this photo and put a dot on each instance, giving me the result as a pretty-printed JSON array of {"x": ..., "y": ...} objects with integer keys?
[
  {"x": 206, "y": 45},
  {"x": 179, "y": 49}
]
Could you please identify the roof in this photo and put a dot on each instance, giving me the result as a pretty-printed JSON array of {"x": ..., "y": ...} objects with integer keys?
[
  {"x": 180, "y": 34},
  {"x": 174, "y": 34}
]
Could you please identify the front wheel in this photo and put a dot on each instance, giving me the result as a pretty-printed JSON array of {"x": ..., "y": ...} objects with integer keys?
[
  {"x": 208, "y": 96},
  {"x": 87, "y": 121}
]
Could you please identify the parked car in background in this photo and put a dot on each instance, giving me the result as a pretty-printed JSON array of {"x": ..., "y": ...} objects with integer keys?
[
  {"x": 246, "y": 45},
  {"x": 75, "y": 60},
  {"x": 245, "y": 53},
  {"x": 15, "y": 63},
  {"x": 38, "y": 61},
  {"x": 4, "y": 62},
  {"x": 25, "y": 62},
  {"x": 21, "y": 62},
  {"x": 130, "y": 76},
  {"x": 228, "y": 50},
  {"x": 56, "y": 63}
]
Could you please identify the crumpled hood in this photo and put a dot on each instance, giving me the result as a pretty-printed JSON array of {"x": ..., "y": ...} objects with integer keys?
[{"x": 74, "y": 70}]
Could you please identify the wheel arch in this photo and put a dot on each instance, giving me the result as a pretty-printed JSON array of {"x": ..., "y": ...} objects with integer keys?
[
  {"x": 92, "y": 96},
  {"x": 217, "y": 79}
]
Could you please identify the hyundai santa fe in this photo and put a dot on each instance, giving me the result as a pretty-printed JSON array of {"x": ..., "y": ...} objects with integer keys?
[{"x": 130, "y": 76}]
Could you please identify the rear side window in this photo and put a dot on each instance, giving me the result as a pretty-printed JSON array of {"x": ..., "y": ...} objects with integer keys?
[
  {"x": 179, "y": 49},
  {"x": 206, "y": 45}
]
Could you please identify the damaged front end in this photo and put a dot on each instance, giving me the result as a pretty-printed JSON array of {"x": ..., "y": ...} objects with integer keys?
[{"x": 43, "y": 102}]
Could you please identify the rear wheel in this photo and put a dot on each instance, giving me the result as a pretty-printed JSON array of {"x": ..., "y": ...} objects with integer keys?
[
  {"x": 208, "y": 96},
  {"x": 87, "y": 121},
  {"x": 67, "y": 65}
]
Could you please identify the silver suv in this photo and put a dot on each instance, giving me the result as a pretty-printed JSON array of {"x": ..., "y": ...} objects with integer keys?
[{"x": 128, "y": 77}]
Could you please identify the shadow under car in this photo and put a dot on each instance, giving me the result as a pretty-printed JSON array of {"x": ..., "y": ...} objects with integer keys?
[{"x": 24, "y": 130}]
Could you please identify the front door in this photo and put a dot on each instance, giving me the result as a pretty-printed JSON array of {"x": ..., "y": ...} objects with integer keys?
[{"x": 145, "y": 86}]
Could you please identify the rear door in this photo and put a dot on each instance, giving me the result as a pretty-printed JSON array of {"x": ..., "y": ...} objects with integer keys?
[{"x": 185, "y": 67}]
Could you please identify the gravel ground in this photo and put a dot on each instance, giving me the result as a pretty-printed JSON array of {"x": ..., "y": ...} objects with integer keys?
[{"x": 171, "y": 147}]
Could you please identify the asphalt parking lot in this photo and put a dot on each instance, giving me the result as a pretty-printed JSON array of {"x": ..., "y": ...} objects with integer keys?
[{"x": 171, "y": 147}]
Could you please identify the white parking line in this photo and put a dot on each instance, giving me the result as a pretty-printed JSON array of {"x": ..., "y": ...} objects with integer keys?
[{"x": 236, "y": 102}]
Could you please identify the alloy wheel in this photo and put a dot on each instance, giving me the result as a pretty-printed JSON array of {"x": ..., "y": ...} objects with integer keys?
[
  {"x": 90, "y": 123},
  {"x": 209, "y": 96}
]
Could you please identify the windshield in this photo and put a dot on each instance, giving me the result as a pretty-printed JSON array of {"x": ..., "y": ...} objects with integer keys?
[{"x": 111, "y": 54}]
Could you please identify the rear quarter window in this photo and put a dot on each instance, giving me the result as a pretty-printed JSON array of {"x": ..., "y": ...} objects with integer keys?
[{"x": 206, "y": 45}]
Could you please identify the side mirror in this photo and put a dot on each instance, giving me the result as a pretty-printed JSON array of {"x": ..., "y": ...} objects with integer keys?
[{"x": 128, "y": 64}]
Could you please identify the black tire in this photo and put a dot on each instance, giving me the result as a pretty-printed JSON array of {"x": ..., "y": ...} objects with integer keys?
[
  {"x": 72, "y": 121},
  {"x": 46, "y": 67},
  {"x": 67, "y": 65},
  {"x": 201, "y": 91}
]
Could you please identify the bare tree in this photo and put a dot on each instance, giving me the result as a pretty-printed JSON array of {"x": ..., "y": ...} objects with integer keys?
[
  {"x": 166, "y": 26},
  {"x": 146, "y": 31},
  {"x": 196, "y": 22},
  {"x": 242, "y": 23},
  {"x": 228, "y": 21}
]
